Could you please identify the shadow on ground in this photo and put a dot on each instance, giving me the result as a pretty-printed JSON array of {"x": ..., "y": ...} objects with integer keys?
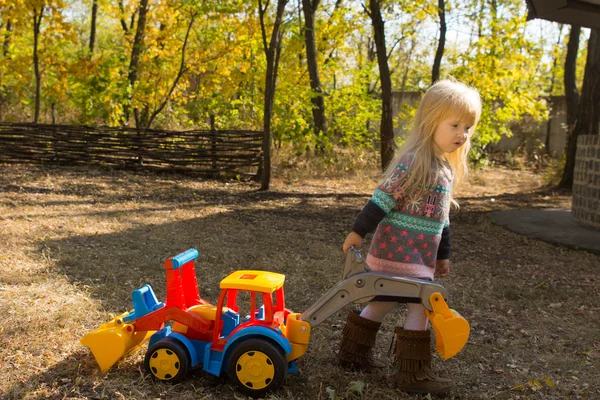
[{"x": 532, "y": 306}]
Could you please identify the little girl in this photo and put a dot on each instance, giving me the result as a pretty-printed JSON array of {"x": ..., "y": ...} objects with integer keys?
[{"x": 409, "y": 214}]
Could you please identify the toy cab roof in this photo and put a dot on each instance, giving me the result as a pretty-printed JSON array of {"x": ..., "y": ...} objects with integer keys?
[{"x": 258, "y": 281}]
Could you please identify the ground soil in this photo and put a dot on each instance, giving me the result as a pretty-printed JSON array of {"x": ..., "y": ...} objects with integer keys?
[{"x": 75, "y": 242}]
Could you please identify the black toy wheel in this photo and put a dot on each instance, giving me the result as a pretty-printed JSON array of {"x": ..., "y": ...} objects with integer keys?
[
  {"x": 257, "y": 367},
  {"x": 167, "y": 360}
]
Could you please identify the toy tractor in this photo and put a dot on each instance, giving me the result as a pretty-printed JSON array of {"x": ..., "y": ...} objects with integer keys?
[{"x": 260, "y": 349}]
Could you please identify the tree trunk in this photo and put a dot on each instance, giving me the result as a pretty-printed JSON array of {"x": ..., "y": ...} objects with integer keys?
[
  {"x": 570, "y": 77},
  {"x": 551, "y": 90},
  {"x": 136, "y": 51},
  {"x": 494, "y": 32},
  {"x": 318, "y": 109},
  {"x": 435, "y": 73},
  {"x": 37, "y": 21},
  {"x": 572, "y": 96},
  {"x": 413, "y": 43},
  {"x": 93, "y": 26},
  {"x": 272, "y": 52},
  {"x": 299, "y": 6},
  {"x": 387, "y": 124},
  {"x": 588, "y": 115},
  {"x": 480, "y": 18},
  {"x": 7, "y": 36}
]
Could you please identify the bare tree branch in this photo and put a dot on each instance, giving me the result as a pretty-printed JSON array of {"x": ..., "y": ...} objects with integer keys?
[
  {"x": 122, "y": 19},
  {"x": 261, "y": 12},
  {"x": 182, "y": 70}
]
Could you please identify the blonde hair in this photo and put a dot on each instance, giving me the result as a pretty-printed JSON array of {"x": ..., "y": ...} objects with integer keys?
[{"x": 444, "y": 99}]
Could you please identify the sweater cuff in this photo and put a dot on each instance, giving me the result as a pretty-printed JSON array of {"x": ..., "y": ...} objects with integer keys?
[
  {"x": 368, "y": 219},
  {"x": 444, "y": 248}
]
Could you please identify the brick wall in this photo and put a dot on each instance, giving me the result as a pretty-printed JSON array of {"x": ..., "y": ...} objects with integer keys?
[{"x": 586, "y": 183}]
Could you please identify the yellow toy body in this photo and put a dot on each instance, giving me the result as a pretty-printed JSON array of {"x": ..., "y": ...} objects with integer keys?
[{"x": 114, "y": 340}]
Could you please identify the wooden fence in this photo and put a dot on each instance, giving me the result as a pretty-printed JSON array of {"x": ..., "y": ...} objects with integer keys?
[{"x": 212, "y": 152}]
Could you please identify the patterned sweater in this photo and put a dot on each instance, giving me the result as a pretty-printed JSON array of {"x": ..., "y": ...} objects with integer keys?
[{"x": 412, "y": 230}]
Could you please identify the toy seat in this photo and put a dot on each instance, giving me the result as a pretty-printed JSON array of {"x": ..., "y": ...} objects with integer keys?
[
  {"x": 144, "y": 302},
  {"x": 231, "y": 320}
]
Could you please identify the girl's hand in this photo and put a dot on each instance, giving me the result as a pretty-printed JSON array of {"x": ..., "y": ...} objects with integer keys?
[
  {"x": 353, "y": 239},
  {"x": 442, "y": 268}
]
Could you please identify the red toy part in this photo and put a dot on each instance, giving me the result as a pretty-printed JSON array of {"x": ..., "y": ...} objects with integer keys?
[
  {"x": 191, "y": 293},
  {"x": 182, "y": 294},
  {"x": 154, "y": 320}
]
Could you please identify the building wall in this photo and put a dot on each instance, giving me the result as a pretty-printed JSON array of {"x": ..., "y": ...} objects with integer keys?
[
  {"x": 529, "y": 134},
  {"x": 586, "y": 181}
]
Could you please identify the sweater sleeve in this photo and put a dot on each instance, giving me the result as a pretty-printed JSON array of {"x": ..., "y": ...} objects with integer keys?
[
  {"x": 390, "y": 193},
  {"x": 444, "y": 248},
  {"x": 387, "y": 196},
  {"x": 368, "y": 219}
]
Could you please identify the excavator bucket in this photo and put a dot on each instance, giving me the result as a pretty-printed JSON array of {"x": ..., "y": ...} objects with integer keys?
[
  {"x": 113, "y": 341},
  {"x": 451, "y": 329}
]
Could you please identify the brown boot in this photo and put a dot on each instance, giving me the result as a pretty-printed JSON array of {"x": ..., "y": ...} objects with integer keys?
[
  {"x": 413, "y": 354},
  {"x": 358, "y": 339}
]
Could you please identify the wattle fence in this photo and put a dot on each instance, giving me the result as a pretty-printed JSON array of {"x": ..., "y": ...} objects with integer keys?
[{"x": 206, "y": 152}]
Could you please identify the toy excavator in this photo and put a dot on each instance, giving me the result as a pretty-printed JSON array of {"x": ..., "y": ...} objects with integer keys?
[{"x": 260, "y": 349}]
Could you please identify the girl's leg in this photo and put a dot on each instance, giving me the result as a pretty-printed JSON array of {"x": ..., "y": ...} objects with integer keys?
[
  {"x": 413, "y": 353},
  {"x": 358, "y": 337},
  {"x": 416, "y": 320},
  {"x": 377, "y": 310}
]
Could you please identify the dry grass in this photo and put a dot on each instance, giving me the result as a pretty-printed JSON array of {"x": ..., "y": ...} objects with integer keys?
[{"x": 75, "y": 242}]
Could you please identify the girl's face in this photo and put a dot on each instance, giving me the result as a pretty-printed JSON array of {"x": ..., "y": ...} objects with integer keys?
[{"x": 450, "y": 135}]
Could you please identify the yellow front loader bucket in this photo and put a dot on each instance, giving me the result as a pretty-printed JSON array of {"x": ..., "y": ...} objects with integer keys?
[
  {"x": 451, "y": 329},
  {"x": 113, "y": 341}
]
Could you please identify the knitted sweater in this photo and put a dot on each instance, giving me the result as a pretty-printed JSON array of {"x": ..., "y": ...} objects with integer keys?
[{"x": 412, "y": 230}]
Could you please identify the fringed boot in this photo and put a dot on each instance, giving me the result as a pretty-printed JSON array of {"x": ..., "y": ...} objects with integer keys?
[
  {"x": 358, "y": 339},
  {"x": 414, "y": 374}
]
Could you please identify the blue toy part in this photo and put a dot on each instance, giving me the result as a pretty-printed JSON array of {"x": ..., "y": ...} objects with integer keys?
[
  {"x": 144, "y": 302},
  {"x": 231, "y": 320},
  {"x": 184, "y": 258},
  {"x": 213, "y": 360},
  {"x": 192, "y": 350},
  {"x": 213, "y": 363},
  {"x": 158, "y": 335},
  {"x": 200, "y": 348},
  {"x": 292, "y": 367},
  {"x": 260, "y": 313}
]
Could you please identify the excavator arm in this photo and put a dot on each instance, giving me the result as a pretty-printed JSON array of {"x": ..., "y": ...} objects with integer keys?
[{"x": 360, "y": 284}]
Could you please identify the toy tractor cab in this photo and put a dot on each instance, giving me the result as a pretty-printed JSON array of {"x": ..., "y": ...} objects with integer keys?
[{"x": 262, "y": 348}]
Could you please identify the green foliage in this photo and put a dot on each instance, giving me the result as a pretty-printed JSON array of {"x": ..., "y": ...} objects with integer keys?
[
  {"x": 224, "y": 66},
  {"x": 501, "y": 64},
  {"x": 353, "y": 116}
]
